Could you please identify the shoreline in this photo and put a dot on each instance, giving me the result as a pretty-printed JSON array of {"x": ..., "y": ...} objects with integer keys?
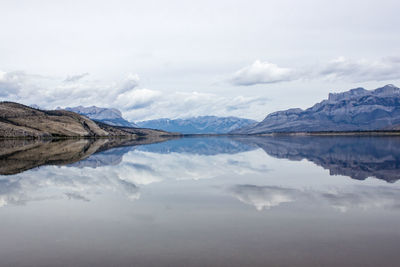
[{"x": 345, "y": 133}]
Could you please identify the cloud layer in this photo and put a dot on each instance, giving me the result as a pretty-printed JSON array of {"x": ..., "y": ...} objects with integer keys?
[
  {"x": 344, "y": 69},
  {"x": 383, "y": 69},
  {"x": 136, "y": 102},
  {"x": 140, "y": 103}
]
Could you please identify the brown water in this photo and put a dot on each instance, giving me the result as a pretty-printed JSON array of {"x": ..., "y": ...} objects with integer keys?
[{"x": 283, "y": 201}]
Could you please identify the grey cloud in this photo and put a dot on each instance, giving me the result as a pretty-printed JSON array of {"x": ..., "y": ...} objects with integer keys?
[
  {"x": 11, "y": 82},
  {"x": 75, "y": 78},
  {"x": 140, "y": 105},
  {"x": 137, "y": 99},
  {"x": 131, "y": 82},
  {"x": 77, "y": 196},
  {"x": 244, "y": 103},
  {"x": 387, "y": 68}
]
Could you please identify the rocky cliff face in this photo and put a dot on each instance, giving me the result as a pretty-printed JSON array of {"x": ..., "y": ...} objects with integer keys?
[
  {"x": 354, "y": 110},
  {"x": 109, "y": 116},
  {"x": 198, "y": 125}
]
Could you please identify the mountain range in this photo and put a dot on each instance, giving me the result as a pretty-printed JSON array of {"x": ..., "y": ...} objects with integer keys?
[
  {"x": 195, "y": 125},
  {"x": 198, "y": 125},
  {"x": 110, "y": 116},
  {"x": 355, "y": 110},
  {"x": 351, "y": 111}
]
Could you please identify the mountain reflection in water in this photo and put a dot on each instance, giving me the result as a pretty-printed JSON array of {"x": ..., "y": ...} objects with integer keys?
[
  {"x": 220, "y": 201},
  {"x": 355, "y": 157}
]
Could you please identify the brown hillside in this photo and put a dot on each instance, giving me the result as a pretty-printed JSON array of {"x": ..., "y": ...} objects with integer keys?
[{"x": 20, "y": 121}]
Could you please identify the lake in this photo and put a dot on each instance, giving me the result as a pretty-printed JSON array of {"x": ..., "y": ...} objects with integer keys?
[{"x": 207, "y": 201}]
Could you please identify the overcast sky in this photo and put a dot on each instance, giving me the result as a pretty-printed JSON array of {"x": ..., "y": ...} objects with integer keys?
[{"x": 153, "y": 59}]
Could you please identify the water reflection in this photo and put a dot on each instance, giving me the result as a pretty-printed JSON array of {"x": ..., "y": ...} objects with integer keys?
[
  {"x": 201, "y": 146},
  {"x": 81, "y": 167},
  {"x": 200, "y": 202},
  {"x": 125, "y": 165},
  {"x": 342, "y": 199},
  {"x": 20, "y": 155},
  {"x": 356, "y": 157},
  {"x": 263, "y": 196},
  {"x": 61, "y": 182}
]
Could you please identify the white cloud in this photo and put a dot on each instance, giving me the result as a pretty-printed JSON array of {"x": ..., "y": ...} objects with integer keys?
[
  {"x": 363, "y": 70},
  {"x": 261, "y": 73},
  {"x": 136, "y": 99}
]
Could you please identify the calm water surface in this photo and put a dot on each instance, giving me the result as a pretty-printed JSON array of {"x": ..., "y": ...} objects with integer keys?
[{"x": 282, "y": 201}]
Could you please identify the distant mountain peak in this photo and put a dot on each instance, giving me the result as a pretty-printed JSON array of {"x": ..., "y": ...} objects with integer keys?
[
  {"x": 387, "y": 89},
  {"x": 111, "y": 116}
]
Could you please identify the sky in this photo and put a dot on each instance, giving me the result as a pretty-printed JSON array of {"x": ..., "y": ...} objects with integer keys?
[{"x": 177, "y": 59}]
